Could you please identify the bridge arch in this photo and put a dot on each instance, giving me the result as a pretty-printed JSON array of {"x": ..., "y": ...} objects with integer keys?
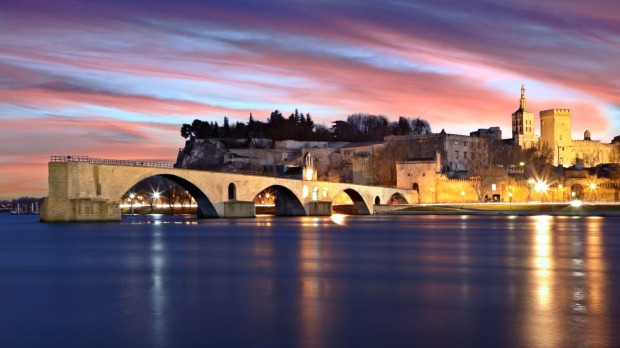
[
  {"x": 232, "y": 192},
  {"x": 360, "y": 207},
  {"x": 286, "y": 201},
  {"x": 205, "y": 206},
  {"x": 577, "y": 191},
  {"x": 397, "y": 198}
]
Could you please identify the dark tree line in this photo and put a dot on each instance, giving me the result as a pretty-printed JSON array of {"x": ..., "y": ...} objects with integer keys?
[{"x": 297, "y": 126}]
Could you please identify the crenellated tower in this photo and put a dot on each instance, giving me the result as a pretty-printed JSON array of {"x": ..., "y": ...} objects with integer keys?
[{"x": 555, "y": 133}]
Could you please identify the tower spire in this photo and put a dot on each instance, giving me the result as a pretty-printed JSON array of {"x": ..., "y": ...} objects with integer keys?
[{"x": 522, "y": 104}]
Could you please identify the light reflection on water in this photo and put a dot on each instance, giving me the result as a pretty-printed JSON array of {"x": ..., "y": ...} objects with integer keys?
[
  {"x": 313, "y": 281},
  {"x": 158, "y": 290}
]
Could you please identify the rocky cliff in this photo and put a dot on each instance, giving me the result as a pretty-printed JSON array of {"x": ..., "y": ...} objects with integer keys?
[{"x": 203, "y": 154}]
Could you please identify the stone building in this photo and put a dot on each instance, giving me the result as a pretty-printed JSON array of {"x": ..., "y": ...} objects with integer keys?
[
  {"x": 356, "y": 156},
  {"x": 457, "y": 152},
  {"x": 490, "y": 134},
  {"x": 420, "y": 175},
  {"x": 326, "y": 158},
  {"x": 365, "y": 149},
  {"x": 555, "y": 125},
  {"x": 555, "y": 133}
]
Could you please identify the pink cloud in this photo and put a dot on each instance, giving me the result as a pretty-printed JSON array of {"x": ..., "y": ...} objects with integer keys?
[
  {"x": 431, "y": 60},
  {"x": 29, "y": 143}
]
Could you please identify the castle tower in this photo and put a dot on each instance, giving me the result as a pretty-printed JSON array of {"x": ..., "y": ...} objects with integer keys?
[
  {"x": 523, "y": 124},
  {"x": 555, "y": 133}
]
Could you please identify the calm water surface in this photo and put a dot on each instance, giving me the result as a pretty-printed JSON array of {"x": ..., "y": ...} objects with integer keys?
[{"x": 373, "y": 281}]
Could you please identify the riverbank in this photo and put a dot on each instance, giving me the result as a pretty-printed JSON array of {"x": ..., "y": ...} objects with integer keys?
[{"x": 556, "y": 209}]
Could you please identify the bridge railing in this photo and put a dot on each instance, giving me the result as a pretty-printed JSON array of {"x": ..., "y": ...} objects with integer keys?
[
  {"x": 91, "y": 160},
  {"x": 86, "y": 159}
]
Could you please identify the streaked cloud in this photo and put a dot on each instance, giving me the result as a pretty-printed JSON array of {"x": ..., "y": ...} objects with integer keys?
[{"x": 112, "y": 78}]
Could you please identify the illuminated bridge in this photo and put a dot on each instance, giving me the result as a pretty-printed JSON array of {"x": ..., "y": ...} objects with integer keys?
[{"x": 88, "y": 189}]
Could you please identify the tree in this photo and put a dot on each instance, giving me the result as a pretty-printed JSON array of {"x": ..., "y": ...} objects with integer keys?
[
  {"x": 343, "y": 131},
  {"x": 251, "y": 122},
  {"x": 226, "y": 128},
  {"x": 201, "y": 129},
  {"x": 173, "y": 193},
  {"x": 536, "y": 159},
  {"x": 421, "y": 127},
  {"x": 403, "y": 126},
  {"x": 482, "y": 177},
  {"x": 187, "y": 131},
  {"x": 382, "y": 166},
  {"x": 309, "y": 123},
  {"x": 276, "y": 123},
  {"x": 322, "y": 133}
]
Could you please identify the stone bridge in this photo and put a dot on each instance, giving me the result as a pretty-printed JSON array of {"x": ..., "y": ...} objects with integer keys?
[{"x": 87, "y": 189}]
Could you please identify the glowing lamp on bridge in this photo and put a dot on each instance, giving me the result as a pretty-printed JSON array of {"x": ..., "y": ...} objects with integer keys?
[
  {"x": 309, "y": 173},
  {"x": 155, "y": 197},
  {"x": 132, "y": 196}
]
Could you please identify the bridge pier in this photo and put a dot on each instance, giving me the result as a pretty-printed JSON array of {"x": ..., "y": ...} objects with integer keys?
[
  {"x": 318, "y": 208},
  {"x": 79, "y": 209},
  {"x": 235, "y": 209},
  {"x": 67, "y": 190}
]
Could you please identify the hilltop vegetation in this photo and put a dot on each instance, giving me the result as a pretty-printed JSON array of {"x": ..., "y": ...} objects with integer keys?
[{"x": 297, "y": 126}]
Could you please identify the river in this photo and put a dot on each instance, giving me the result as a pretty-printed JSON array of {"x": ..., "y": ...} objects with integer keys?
[{"x": 341, "y": 281}]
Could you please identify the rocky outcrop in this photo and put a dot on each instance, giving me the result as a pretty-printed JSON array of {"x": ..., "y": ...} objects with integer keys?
[{"x": 203, "y": 154}]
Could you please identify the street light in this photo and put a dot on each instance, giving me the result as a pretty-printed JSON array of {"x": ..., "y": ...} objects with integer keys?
[
  {"x": 593, "y": 188},
  {"x": 541, "y": 188},
  {"x": 529, "y": 193},
  {"x": 155, "y": 196}
]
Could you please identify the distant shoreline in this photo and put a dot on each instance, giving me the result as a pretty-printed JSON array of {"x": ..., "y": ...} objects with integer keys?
[{"x": 503, "y": 209}]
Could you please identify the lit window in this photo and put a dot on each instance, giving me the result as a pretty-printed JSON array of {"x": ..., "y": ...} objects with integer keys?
[{"x": 493, "y": 187}]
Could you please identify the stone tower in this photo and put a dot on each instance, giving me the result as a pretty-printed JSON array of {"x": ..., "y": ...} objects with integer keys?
[
  {"x": 523, "y": 124},
  {"x": 556, "y": 134}
]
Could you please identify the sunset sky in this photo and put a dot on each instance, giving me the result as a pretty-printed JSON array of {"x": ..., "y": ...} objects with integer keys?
[{"x": 116, "y": 79}]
